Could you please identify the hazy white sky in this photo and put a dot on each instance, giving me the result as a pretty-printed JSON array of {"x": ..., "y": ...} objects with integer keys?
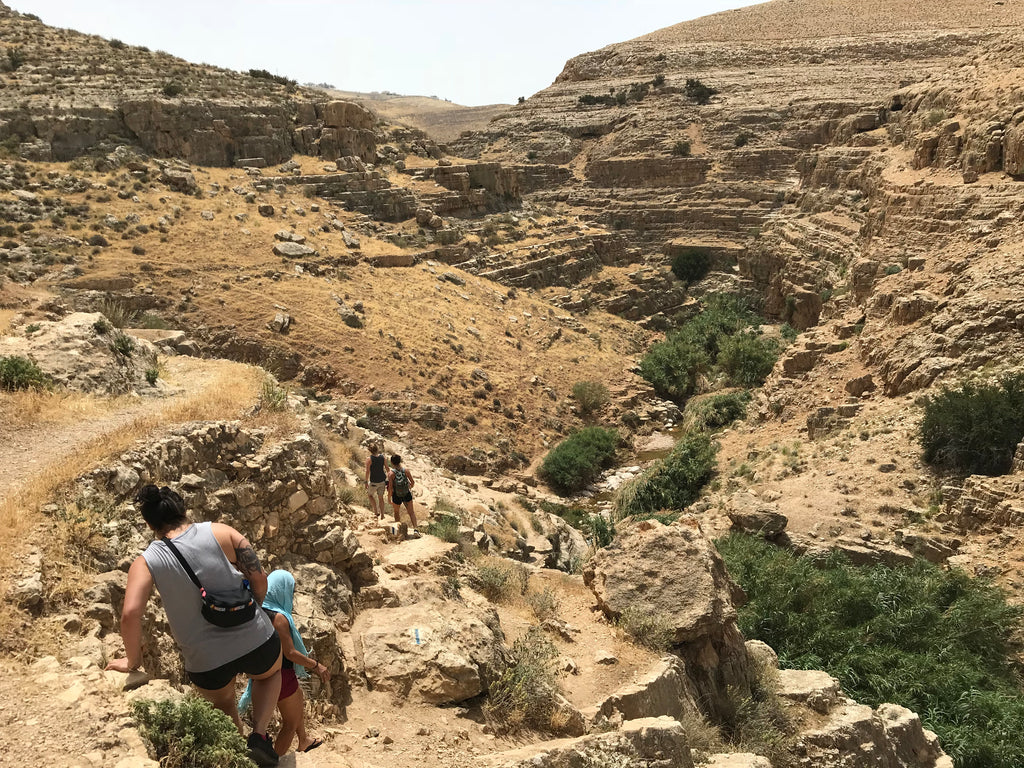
[{"x": 469, "y": 51}]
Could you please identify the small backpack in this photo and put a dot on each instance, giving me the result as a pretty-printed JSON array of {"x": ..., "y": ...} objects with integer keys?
[{"x": 401, "y": 481}]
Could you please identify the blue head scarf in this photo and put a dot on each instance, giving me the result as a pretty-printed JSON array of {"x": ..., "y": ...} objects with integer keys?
[{"x": 280, "y": 598}]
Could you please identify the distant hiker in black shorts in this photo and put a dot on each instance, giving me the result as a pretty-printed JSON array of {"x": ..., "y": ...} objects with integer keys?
[
  {"x": 376, "y": 478},
  {"x": 400, "y": 485}
]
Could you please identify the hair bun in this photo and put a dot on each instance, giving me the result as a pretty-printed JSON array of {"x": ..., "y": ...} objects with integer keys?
[{"x": 149, "y": 494}]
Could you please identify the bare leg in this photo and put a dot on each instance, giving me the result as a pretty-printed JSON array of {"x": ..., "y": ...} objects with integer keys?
[
  {"x": 398, "y": 514},
  {"x": 224, "y": 700},
  {"x": 291, "y": 723},
  {"x": 265, "y": 690},
  {"x": 412, "y": 514},
  {"x": 374, "y": 503}
]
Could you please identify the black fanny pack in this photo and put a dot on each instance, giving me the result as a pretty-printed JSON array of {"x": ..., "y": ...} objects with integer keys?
[{"x": 224, "y": 608}]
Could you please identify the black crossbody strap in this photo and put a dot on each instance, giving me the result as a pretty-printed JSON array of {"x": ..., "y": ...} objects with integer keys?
[{"x": 184, "y": 563}]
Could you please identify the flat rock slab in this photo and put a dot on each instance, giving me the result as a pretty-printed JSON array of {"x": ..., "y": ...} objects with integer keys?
[
  {"x": 294, "y": 250},
  {"x": 652, "y": 741},
  {"x": 415, "y": 555}
]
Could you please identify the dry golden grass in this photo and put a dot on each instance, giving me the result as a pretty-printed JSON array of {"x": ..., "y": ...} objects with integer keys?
[
  {"x": 33, "y": 407},
  {"x": 223, "y": 391}
]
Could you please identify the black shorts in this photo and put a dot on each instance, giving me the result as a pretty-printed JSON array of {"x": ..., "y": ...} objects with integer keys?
[
  {"x": 253, "y": 663},
  {"x": 397, "y": 499}
]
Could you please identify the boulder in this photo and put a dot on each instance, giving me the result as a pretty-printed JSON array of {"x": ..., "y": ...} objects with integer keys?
[
  {"x": 675, "y": 572},
  {"x": 855, "y": 736},
  {"x": 858, "y": 386},
  {"x": 291, "y": 250},
  {"x": 665, "y": 690},
  {"x": 285, "y": 235},
  {"x": 430, "y": 652},
  {"x": 568, "y": 547},
  {"x": 83, "y": 352},
  {"x": 347, "y": 114},
  {"x": 654, "y": 742},
  {"x": 749, "y": 514},
  {"x": 179, "y": 181}
]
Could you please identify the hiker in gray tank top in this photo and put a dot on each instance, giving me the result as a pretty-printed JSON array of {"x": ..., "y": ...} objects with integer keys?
[{"x": 219, "y": 558}]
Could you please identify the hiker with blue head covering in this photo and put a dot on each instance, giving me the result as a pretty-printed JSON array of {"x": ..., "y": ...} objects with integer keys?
[{"x": 278, "y": 604}]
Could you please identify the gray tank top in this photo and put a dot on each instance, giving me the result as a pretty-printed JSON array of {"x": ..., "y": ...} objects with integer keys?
[{"x": 203, "y": 645}]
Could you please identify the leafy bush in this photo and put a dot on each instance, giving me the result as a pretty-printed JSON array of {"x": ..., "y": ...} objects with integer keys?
[
  {"x": 273, "y": 397},
  {"x": 715, "y": 411},
  {"x": 444, "y": 527},
  {"x": 119, "y": 44},
  {"x": 263, "y": 74},
  {"x": 976, "y": 428},
  {"x": 172, "y": 89},
  {"x": 17, "y": 372},
  {"x": 742, "y": 139},
  {"x": 152, "y": 374},
  {"x": 524, "y": 695},
  {"x": 596, "y": 528},
  {"x": 747, "y": 358},
  {"x": 699, "y": 92},
  {"x": 190, "y": 734},
  {"x": 647, "y": 628},
  {"x": 691, "y": 264},
  {"x": 572, "y": 464},
  {"x": 935, "y": 641},
  {"x": 591, "y": 395},
  {"x": 15, "y": 58},
  {"x": 682, "y": 148},
  {"x": 673, "y": 483},
  {"x": 122, "y": 344},
  {"x": 673, "y": 366}
]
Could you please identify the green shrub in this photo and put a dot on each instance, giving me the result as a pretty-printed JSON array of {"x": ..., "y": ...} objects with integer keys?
[
  {"x": 122, "y": 344},
  {"x": 699, "y": 92},
  {"x": 172, "y": 89},
  {"x": 119, "y": 44},
  {"x": 190, "y": 734},
  {"x": 715, "y": 411},
  {"x": 524, "y": 694},
  {"x": 576, "y": 461},
  {"x": 742, "y": 139},
  {"x": 893, "y": 269},
  {"x": 682, "y": 148},
  {"x": 102, "y": 326},
  {"x": 935, "y": 641},
  {"x": 673, "y": 483},
  {"x": 152, "y": 374},
  {"x": 15, "y": 58},
  {"x": 747, "y": 358},
  {"x": 263, "y": 74},
  {"x": 17, "y": 372},
  {"x": 974, "y": 429},
  {"x": 596, "y": 528},
  {"x": 273, "y": 397},
  {"x": 691, "y": 265},
  {"x": 647, "y": 628},
  {"x": 590, "y": 395},
  {"x": 444, "y": 527},
  {"x": 673, "y": 366}
]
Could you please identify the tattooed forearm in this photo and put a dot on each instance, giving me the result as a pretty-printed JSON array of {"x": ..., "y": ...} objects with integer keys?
[{"x": 247, "y": 562}]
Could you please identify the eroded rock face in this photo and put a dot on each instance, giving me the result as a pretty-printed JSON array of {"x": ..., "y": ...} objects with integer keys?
[
  {"x": 655, "y": 742},
  {"x": 84, "y": 352},
  {"x": 428, "y": 652},
  {"x": 675, "y": 572}
]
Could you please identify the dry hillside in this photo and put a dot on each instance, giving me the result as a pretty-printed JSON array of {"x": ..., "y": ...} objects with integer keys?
[{"x": 239, "y": 283}]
